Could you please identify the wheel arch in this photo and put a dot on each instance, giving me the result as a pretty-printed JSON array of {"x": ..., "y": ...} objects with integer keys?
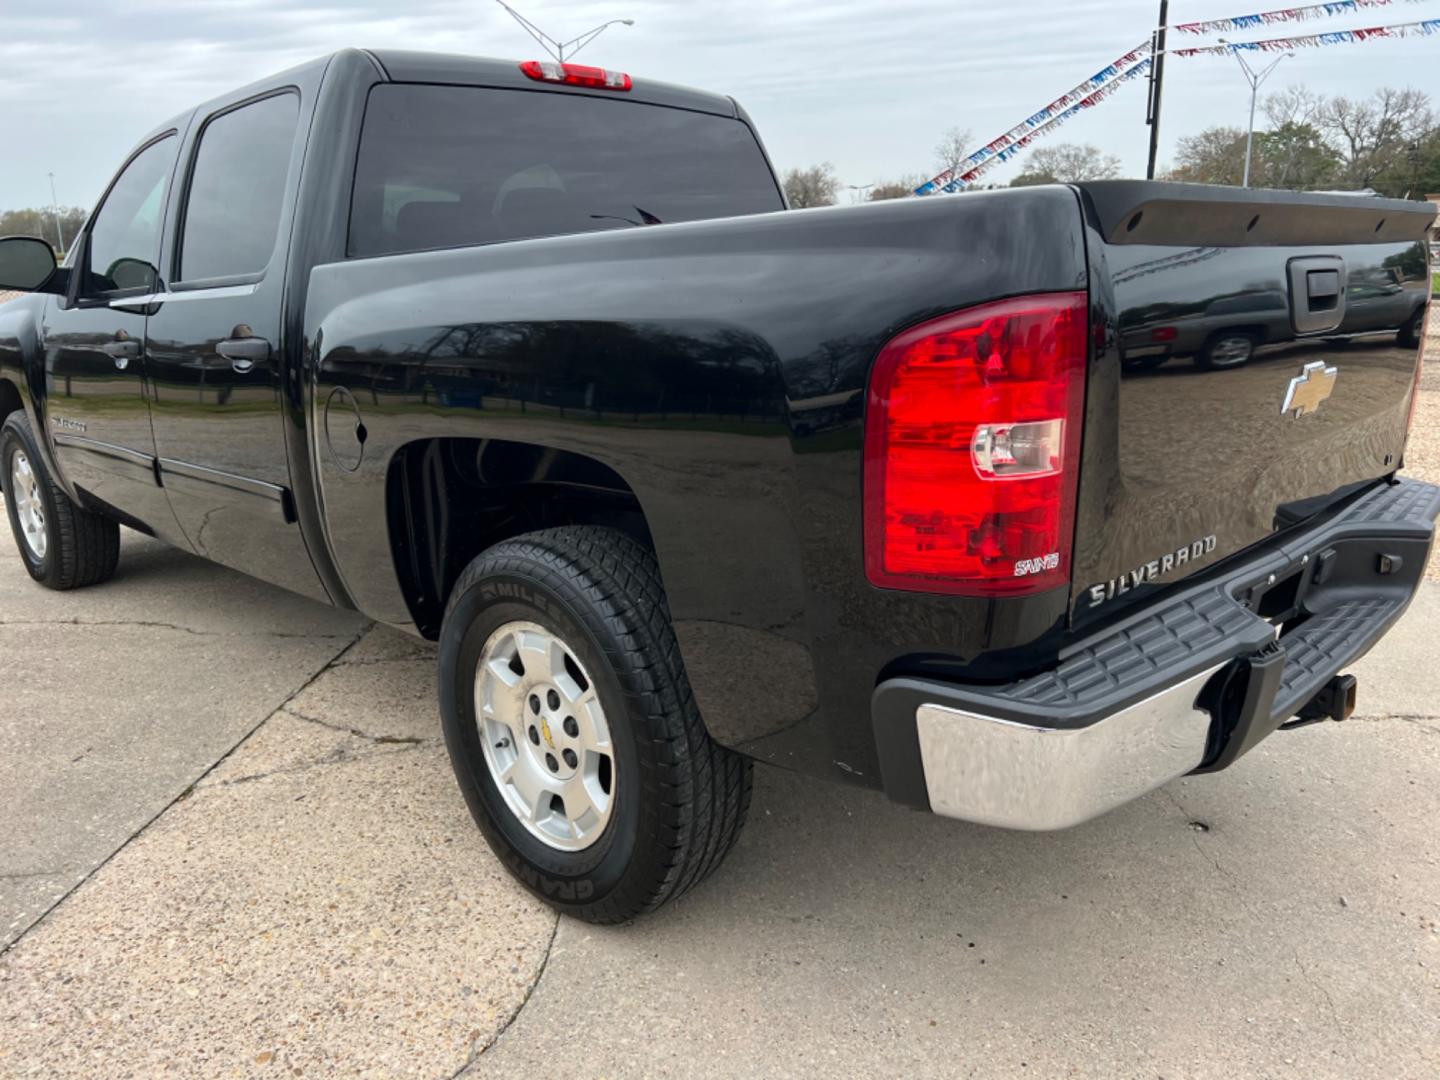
[
  {"x": 1256, "y": 332},
  {"x": 448, "y": 499},
  {"x": 10, "y": 399}
]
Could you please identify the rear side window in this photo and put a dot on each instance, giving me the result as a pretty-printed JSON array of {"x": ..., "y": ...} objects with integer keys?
[
  {"x": 237, "y": 190},
  {"x": 447, "y": 166}
]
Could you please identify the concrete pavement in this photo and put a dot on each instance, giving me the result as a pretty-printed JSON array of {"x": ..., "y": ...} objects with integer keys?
[
  {"x": 321, "y": 902},
  {"x": 117, "y": 699},
  {"x": 1279, "y": 919},
  {"x": 312, "y": 898}
]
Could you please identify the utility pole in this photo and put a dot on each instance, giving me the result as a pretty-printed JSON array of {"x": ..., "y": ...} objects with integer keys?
[
  {"x": 560, "y": 49},
  {"x": 55, "y": 213},
  {"x": 1157, "y": 79}
]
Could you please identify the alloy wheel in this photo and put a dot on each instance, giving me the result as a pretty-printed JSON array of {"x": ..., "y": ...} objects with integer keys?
[
  {"x": 1230, "y": 351},
  {"x": 544, "y": 735},
  {"x": 29, "y": 507}
]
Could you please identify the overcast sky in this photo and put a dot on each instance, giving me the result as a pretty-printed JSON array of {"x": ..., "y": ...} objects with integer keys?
[{"x": 869, "y": 85}]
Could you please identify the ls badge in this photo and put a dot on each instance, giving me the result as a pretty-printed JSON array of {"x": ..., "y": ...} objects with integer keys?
[{"x": 1308, "y": 389}]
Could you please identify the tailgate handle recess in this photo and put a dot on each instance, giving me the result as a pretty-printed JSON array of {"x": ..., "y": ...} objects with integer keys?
[
  {"x": 1317, "y": 293},
  {"x": 1323, "y": 287}
]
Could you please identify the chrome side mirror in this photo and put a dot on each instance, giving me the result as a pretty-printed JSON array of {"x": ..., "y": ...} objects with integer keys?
[{"x": 27, "y": 263}]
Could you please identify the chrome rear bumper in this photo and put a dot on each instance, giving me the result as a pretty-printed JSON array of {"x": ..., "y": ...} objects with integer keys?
[
  {"x": 1187, "y": 682},
  {"x": 1019, "y": 776}
]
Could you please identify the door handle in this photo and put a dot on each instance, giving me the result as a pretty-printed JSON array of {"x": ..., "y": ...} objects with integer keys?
[
  {"x": 122, "y": 352},
  {"x": 244, "y": 352}
]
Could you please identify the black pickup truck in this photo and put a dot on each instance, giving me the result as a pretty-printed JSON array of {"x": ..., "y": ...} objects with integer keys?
[{"x": 531, "y": 360}]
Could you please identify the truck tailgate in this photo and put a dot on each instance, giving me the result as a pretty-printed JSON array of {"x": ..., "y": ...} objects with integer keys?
[{"x": 1259, "y": 367}]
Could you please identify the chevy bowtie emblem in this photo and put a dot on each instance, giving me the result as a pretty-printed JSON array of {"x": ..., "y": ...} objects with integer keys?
[{"x": 1308, "y": 389}]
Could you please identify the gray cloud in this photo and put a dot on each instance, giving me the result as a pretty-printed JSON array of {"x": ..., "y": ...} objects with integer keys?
[{"x": 867, "y": 84}]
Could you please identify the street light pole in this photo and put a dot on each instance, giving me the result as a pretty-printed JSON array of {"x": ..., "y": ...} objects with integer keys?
[
  {"x": 55, "y": 213},
  {"x": 576, "y": 44},
  {"x": 560, "y": 49},
  {"x": 1254, "y": 80}
]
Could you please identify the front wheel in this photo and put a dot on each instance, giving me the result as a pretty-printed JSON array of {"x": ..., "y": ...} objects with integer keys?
[
  {"x": 64, "y": 546},
  {"x": 572, "y": 728}
]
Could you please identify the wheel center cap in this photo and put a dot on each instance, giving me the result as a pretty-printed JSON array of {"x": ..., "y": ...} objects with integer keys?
[{"x": 545, "y": 733}]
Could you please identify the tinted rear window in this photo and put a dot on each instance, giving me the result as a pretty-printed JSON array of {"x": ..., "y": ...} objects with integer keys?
[
  {"x": 237, "y": 191},
  {"x": 446, "y": 166}
]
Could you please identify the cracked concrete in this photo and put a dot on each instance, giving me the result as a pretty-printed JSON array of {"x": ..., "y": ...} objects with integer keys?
[
  {"x": 347, "y": 730},
  {"x": 117, "y": 699},
  {"x": 317, "y": 903},
  {"x": 320, "y": 901},
  {"x": 336, "y": 914},
  {"x": 148, "y": 624},
  {"x": 847, "y": 936}
]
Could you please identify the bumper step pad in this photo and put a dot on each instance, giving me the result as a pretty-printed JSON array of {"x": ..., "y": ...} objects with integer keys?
[{"x": 1343, "y": 583}]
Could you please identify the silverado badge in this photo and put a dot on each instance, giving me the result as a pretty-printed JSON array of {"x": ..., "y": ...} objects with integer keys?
[
  {"x": 1171, "y": 560},
  {"x": 1308, "y": 389}
]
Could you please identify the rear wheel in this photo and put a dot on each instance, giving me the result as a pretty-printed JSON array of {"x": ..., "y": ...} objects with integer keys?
[
  {"x": 64, "y": 546},
  {"x": 1227, "y": 349},
  {"x": 572, "y": 728}
]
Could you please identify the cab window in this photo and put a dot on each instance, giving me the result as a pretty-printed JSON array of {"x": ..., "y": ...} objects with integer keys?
[
  {"x": 125, "y": 236},
  {"x": 237, "y": 190}
]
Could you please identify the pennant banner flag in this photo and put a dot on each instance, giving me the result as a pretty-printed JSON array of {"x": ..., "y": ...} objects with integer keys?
[
  {"x": 1138, "y": 60},
  {"x": 1017, "y": 139},
  {"x": 1426, "y": 28},
  {"x": 960, "y": 176},
  {"x": 1284, "y": 15}
]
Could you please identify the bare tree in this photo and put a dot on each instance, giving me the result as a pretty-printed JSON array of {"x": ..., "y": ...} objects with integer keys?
[
  {"x": 1293, "y": 105},
  {"x": 1374, "y": 136},
  {"x": 816, "y": 186},
  {"x": 953, "y": 148},
  {"x": 1067, "y": 163},
  {"x": 1295, "y": 153}
]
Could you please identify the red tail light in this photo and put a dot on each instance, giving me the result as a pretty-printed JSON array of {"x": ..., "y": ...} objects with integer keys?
[
  {"x": 972, "y": 449},
  {"x": 576, "y": 75}
]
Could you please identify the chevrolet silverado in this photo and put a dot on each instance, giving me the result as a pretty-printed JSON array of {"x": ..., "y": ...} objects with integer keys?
[{"x": 531, "y": 360}]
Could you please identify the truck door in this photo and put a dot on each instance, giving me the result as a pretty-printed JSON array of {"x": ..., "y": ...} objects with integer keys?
[
  {"x": 95, "y": 408},
  {"x": 214, "y": 346}
]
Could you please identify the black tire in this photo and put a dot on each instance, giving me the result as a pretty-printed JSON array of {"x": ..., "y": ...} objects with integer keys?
[
  {"x": 680, "y": 798},
  {"x": 1227, "y": 349},
  {"x": 1410, "y": 333},
  {"x": 81, "y": 547}
]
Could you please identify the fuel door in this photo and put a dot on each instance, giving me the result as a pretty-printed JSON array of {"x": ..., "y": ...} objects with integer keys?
[{"x": 1317, "y": 293}]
